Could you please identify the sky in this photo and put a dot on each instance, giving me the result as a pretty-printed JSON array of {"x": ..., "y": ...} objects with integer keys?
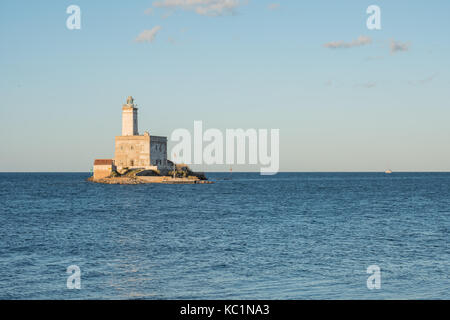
[{"x": 344, "y": 97}]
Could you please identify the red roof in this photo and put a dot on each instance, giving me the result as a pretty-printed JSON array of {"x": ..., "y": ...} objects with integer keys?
[{"x": 103, "y": 162}]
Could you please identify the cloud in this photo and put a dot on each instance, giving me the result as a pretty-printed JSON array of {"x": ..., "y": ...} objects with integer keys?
[
  {"x": 367, "y": 85},
  {"x": 201, "y": 7},
  {"x": 425, "y": 80},
  {"x": 428, "y": 79},
  {"x": 372, "y": 58},
  {"x": 148, "y": 11},
  {"x": 148, "y": 35},
  {"x": 167, "y": 14},
  {"x": 273, "y": 6},
  {"x": 361, "y": 41},
  {"x": 397, "y": 46}
]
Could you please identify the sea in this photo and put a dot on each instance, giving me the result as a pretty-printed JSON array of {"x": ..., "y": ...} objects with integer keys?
[{"x": 247, "y": 236}]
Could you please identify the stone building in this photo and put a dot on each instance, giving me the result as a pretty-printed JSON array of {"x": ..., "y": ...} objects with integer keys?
[{"x": 138, "y": 151}]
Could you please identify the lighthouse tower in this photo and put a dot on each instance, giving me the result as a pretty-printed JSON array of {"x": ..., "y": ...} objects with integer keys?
[{"x": 129, "y": 118}]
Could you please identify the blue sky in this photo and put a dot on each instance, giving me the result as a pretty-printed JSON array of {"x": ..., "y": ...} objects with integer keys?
[{"x": 362, "y": 108}]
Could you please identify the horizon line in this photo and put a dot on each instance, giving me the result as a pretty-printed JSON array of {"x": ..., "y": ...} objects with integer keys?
[{"x": 371, "y": 171}]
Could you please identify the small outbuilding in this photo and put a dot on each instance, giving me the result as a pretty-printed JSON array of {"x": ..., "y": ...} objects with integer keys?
[{"x": 103, "y": 168}]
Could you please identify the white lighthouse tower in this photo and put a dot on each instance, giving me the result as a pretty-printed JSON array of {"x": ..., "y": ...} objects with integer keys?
[{"x": 129, "y": 118}]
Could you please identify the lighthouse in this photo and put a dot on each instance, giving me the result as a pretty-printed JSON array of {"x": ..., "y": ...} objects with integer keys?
[{"x": 129, "y": 118}]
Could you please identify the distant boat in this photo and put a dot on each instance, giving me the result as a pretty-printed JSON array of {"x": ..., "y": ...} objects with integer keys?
[{"x": 388, "y": 171}]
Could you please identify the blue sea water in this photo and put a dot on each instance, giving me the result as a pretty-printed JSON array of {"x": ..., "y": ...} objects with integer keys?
[{"x": 288, "y": 236}]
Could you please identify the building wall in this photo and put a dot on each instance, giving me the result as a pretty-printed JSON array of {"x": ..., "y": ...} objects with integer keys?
[
  {"x": 102, "y": 171},
  {"x": 129, "y": 121},
  {"x": 158, "y": 151},
  {"x": 132, "y": 151}
]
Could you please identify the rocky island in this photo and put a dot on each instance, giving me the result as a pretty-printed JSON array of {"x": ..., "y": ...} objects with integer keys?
[{"x": 181, "y": 175}]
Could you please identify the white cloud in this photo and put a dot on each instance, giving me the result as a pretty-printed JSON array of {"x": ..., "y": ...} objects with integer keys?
[
  {"x": 148, "y": 11},
  {"x": 370, "y": 84},
  {"x": 425, "y": 80},
  {"x": 167, "y": 14},
  {"x": 201, "y": 7},
  {"x": 374, "y": 58},
  {"x": 367, "y": 85},
  {"x": 148, "y": 35},
  {"x": 428, "y": 79},
  {"x": 397, "y": 46},
  {"x": 273, "y": 6},
  {"x": 361, "y": 41},
  {"x": 329, "y": 83}
]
